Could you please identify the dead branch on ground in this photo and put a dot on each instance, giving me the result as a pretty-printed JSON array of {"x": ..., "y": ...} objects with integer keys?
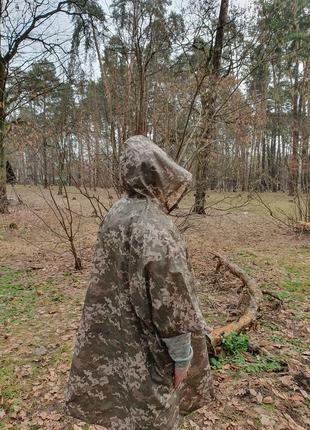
[{"x": 255, "y": 298}]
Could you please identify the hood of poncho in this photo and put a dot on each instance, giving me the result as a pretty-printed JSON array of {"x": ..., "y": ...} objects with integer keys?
[{"x": 148, "y": 171}]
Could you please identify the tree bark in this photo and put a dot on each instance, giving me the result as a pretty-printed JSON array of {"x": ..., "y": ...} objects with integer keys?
[
  {"x": 208, "y": 111},
  {"x": 109, "y": 111},
  {"x": 3, "y": 195},
  {"x": 295, "y": 143},
  {"x": 45, "y": 173},
  {"x": 296, "y": 96},
  {"x": 305, "y": 149}
]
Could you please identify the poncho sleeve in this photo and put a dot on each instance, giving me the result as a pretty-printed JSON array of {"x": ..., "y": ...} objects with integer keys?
[
  {"x": 180, "y": 349},
  {"x": 169, "y": 281}
]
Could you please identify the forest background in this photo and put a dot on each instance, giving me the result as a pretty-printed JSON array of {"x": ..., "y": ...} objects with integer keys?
[{"x": 223, "y": 87}]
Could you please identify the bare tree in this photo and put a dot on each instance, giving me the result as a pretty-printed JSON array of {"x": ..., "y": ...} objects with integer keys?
[
  {"x": 24, "y": 25},
  {"x": 68, "y": 224}
]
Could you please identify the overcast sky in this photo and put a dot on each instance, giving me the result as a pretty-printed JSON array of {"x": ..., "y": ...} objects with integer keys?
[
  {"x": 243, "y": 3},
  {"x": 61, "y": 26}
]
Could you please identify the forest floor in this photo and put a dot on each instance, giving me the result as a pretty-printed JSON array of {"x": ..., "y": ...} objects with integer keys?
[{"x": 42, "y": 296}]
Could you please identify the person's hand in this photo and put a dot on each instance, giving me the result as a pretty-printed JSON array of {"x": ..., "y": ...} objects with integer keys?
[{"x": 179, "y": 376}]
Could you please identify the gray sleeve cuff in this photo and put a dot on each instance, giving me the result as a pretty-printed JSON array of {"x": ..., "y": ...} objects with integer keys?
[{"x": 180, "y": 349}]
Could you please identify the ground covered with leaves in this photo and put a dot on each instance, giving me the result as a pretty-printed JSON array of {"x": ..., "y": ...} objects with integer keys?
[{"x": 261, "y": 378}]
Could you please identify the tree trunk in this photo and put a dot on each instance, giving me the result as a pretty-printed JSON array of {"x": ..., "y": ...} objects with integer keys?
[
  {"x": 263, "y": 165},
  {"x": 3, "y": 197},
  {"x": 201, "y": 181},
  {"x": 61, "y": 169},
  {"x": 45, "y": 178},
  {"x": 305, "y": 149},
  {"x": 141, "y": 127},
  {"x": 294, "y": 162},
  {"x": 208, "y": 111},
  {"x": 294, "y": 156}
]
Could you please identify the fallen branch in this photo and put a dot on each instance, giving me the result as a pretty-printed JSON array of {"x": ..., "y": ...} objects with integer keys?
[{"x": 250, "y": 314}]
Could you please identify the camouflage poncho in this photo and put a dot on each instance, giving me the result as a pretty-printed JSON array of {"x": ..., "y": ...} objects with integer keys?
[{"x": 141, "y": 291}]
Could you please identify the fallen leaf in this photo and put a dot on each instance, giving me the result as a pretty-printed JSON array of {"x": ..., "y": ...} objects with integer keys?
[
  {"x": 253, "y": 392},
  {"x": 43, "y": 415},
  {"x": 268, "y": 400}
]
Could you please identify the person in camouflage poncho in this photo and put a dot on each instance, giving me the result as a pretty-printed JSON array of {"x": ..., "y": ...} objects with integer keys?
[{"x": 140, "y": 309}]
